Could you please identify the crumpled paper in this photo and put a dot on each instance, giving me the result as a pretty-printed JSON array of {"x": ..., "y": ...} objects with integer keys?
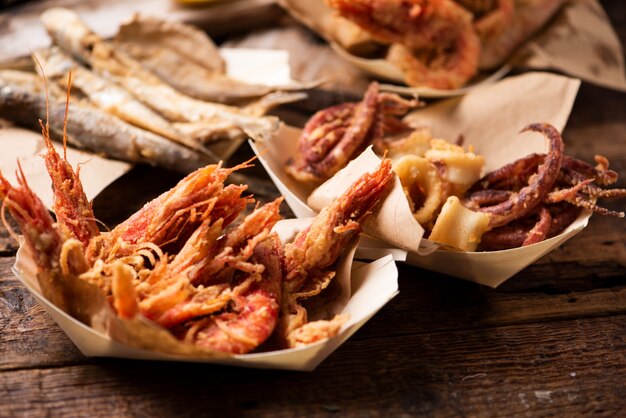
[
  {"x": 489, "y": 119},
  {"x": 582, "y": 43}
]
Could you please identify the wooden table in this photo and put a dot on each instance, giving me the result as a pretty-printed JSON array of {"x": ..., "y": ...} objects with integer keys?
[{"x": 550, "y": 341}]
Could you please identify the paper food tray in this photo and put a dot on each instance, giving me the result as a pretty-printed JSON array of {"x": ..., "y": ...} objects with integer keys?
[{"x": 370, "y": 285}]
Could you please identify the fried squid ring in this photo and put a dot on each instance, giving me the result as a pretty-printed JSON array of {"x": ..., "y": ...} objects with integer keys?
[
  {"x": 433, "y": 42},
  {"x": 422, "y": 185},
  {"x": 462, "y": 169},
  {"x": 459, "y": 227}
]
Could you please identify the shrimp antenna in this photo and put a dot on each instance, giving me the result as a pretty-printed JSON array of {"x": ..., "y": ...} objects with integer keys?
[
  {"x": 5, "y": 187},
  {"x": 67, "y": 108},
  {"x": 98, "y": 221},
  {"x": 45, "y": 83},
  {"x": 7, "y": 225}
]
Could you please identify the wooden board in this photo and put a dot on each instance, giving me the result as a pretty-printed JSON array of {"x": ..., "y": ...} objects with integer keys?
[{"x": 549, "y": 342}]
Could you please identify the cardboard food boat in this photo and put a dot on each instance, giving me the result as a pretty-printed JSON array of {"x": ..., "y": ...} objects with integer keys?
[
  {"x": 489, "y": 119},
  {"x": 359, "y": 290}
]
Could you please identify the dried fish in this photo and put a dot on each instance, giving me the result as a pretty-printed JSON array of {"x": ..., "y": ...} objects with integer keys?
[
  {"x": 23, "y": 100},
  {"x": 26, "y": 80},
  {"x": 190, "y": 43},
  {"x": 71, "y": 34},
  {"x": 113, "y": 99},
  {"x": 187, "y": 59}
]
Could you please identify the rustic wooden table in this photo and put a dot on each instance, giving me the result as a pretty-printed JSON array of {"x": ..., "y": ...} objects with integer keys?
[{"x": 550, "y": 341}]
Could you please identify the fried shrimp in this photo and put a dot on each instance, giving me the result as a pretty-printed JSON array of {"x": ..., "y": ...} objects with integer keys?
[{"x": 309, "y": 258}]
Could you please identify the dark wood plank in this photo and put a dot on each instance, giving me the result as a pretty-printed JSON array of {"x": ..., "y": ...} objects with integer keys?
[
  {"x": 28, "y": 335},
  {"x": 559, "y": 369},
  {"x": 549, "y": 342}
]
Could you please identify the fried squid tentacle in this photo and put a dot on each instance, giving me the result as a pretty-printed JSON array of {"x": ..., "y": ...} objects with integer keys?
[
  {"x": 335, "y": 135},
  {"x": 547, "y": 206},
  {"x": 523, "y": 201},
  {"x": 539, "y": 232},
  {"x": 520, "y": 232}
]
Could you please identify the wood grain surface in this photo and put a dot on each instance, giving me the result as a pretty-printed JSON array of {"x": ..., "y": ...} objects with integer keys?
[{"x": 551, "y": 341}]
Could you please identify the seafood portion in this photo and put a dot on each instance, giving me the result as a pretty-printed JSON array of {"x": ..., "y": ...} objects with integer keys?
[
  {"x": 459, "y": 227},
  {"x": 538, "y": 196},
  {"x": 70, "y": 33},
  {"x": 42, "y": 239},
  {"x": 128, "y": 97},
  {"x": 433, "y": 42},
  {"x": 433, "y": 174},
  {"x": 309, "y": 258},
  {"x": 520, "y": 204},
  {"x": 72, "y": 209},
  {"x": 23, "y": 100},
  {"x": 254, "y": 308},
  {"x": 186, "y": 59},
  {"x": 333, "y": 136},
  {"x": 113, "y": 99},
  {"x": 189, "y": 265},
  {"x": 179, "y": 289}
]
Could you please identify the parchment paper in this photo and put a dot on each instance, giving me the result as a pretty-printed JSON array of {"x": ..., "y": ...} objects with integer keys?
[
  {"x": 268, "y": 67},
  {"x": 580, "y": 42}
]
